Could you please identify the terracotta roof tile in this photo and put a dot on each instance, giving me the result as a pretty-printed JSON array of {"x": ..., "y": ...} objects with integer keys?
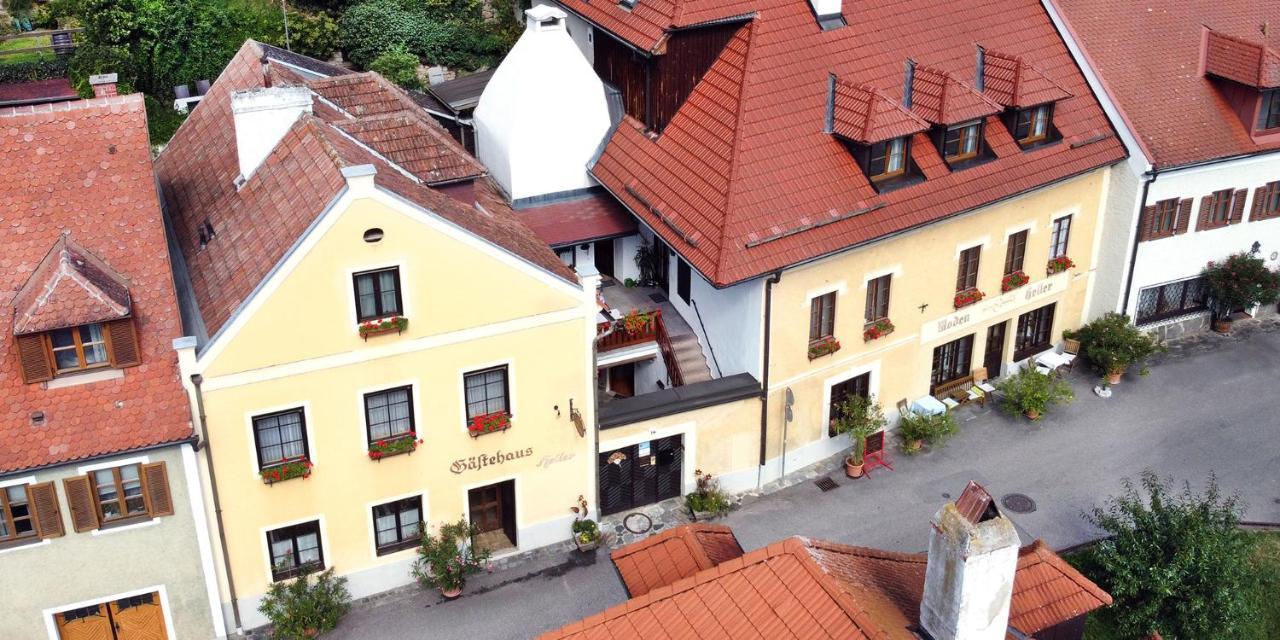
[
  {"x": 645, "y": 25},
  {"x": 582, "y": 219},
  {"x": 663, "y": 559},
  {"x": 1249, "y": 63},
  {"x": 865, "y": 115},
  {"x": 70, "y": 287},
  {"x": 941, "y": 98},
  {"x": 744, "y": 180},
  {"x": 1180, "y": 116},
  {"x": 84, "y": 168},
  {"x": 1014, "y": 82},
  {"x": 1048, "y": 591}
]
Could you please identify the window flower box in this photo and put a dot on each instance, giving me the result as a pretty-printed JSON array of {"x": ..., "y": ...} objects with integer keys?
[
  {"x": 489, "y": 423},
  {"x": 968, "y": 297},
  {"x": 1014, "y": 280},
  {"x": 404, "y": 443},
  {"x": 876, "y": 330},
  {"x": 393, "y": 324},
  {"x": 292, "y": 468},
  {"x": 822, "y": 347},
  {"x": 1059, "y": 264}
]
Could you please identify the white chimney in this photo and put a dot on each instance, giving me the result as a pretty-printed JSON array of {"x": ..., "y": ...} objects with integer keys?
[
  {"x": 262, "y": 117},
  {"x": 826, "y": 8},
  {"x": 973, "y": 556},
  {"x": 543, "y": 114}
]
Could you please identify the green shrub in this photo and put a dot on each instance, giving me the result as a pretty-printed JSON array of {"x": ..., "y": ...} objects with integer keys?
[
  {"x": 313, "y": 34},
  {"x": 399, "y": 66},
  {"x": 447, "y": 558},
  {"x": 1112, "y": 344},
  {"x": 1240, "y": 282},
  {"x": 447, "y": 32},
  {"x": 162, "y": 120},
  {"x": 1030, "y": 390},
  {"x": 34, "y": 70},
  {"x": 708, "y": 497},
  {"x": 934, "y": 429},
  {"x": 301, "y": 608}
]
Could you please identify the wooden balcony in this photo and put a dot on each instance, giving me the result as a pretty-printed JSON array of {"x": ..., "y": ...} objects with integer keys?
[{"x": 647, "y": 331}]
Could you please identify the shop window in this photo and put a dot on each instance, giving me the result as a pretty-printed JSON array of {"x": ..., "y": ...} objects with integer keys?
[
  {"x": 1172, "y": 300},
  {"x": 842, "y": 392},
  {"x": 951, "y": 361},
  {"x": 1034, "y": 329}
]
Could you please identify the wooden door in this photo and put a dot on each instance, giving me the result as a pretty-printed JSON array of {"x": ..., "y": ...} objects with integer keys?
[
  {"x": 86, "y": 623},
  {"x": 622, "y": 379},
  {"x": 486, "y": 507},
  {"x": 138, "y": 618},
  {"x": 663, "y": 264},
  {"x": 670, "y": 454},
  {"x": 507, "y": 491},
  {"x": 614, "y": 474},
  {"x": 644, "y": 474},
  {"x": 604, "y": 257},
  {"x": 995, "y": 349}
]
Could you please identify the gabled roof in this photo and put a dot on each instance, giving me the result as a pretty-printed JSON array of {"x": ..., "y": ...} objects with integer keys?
[
  {"x": 1249, "y": 63},
  {"x": 659, "y": 560},
  {"x": 1014, "y": 82},
  {"x": 69, "y": 288},
  {"x": 1179, "y": 116},
  {"x": 864, "y": 114},
  {"x": 256, "y": 224},
  {"x": 84, "y": 168},
  {"x": 941, "y": 98},
  {"x": 645, "y": 25},
  {"x": 594, "y": 216},
  {"x": 815, "y": 589},
  {"x": 745, "y": 179}
]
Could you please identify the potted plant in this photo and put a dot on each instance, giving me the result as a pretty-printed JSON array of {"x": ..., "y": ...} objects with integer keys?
[
  {"x": 489, "y": 423},
  {"x": 290, "y": 468},
  {"x": 1242, "y": 281},
  {"x": 1014, "y": 280},
  {"x": 1113, "y": 344},
  {"x": 586, "y": 533},
  {"x": 447, "y": 558},
  {"x": 876, "y": 330},
  {"x": 859, "y": 417},
  {"x": 708, "y": 500},
  {"x": 915, "y": 429},
  {"x": 1059, "y": 264},
  {"x": 403, "y": 443},
  {"x": 384, "y": 325},
  {"x": 1031, "y": 393},
  {"x": 822, "y": 347},
  {"x": 968, "y": 297},
  {"x": 636, "y": 322}
]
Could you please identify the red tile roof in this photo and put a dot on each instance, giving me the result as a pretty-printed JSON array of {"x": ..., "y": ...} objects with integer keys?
[
  {"x": 744, "y": 181},
  {"x": 48, "y": 90},
  {"x": 815, "y": 589},
  {"x": 69, "y": 288},
  {"x": 257, "y": 224},
  {"x": 645, "y": 25},
  {"x": 84, "y": 168},
  {"x": 866, "y": 115},
  {"x": 1249, "y": 63},
  {"x": 941, "y": 98},
  {"x": 659, "y": 560},
  {"x": 1014, "y": 82},
  {"x": 583, "y": 219},
  {"x": 1179, "y": 116}
]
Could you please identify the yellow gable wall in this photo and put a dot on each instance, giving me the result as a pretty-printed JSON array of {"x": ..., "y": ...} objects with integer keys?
[{"x": 447, "y": 286}]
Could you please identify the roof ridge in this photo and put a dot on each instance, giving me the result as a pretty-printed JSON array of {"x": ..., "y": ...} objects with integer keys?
[
  {"x": 800, "y": 547},
  {"x": 747, "y": 30}
]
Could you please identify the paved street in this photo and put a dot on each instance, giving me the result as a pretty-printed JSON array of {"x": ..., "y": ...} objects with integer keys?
[{"x": 1209, "y": 406}]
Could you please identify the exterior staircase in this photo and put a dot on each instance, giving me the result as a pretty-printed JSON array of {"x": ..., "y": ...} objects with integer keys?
[{"x": 690, "y": 360}]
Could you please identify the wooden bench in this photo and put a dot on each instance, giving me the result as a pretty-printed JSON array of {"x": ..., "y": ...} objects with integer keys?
[{"x": 955, "y": 390}]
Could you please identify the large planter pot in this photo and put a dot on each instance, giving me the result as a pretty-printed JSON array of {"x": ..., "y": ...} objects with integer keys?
[
  {"x": 1113, "y": 377},
  {"x": 451, "y": 593},
  {"x": 1222, "y": 326},
  {"x": 703, "y": 516},
  {"x": 1031, "y": 414},
  {"x": 587, "y": 547},
  {"x": 913, "y": 446},
  {"x": 852, "y": 470}
]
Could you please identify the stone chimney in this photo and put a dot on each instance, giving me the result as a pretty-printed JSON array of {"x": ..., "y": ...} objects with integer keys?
[
  {"x": 262, "y": 118},
  {"x": 104, "y": 84},
  {"x": 973, "y": 555}
]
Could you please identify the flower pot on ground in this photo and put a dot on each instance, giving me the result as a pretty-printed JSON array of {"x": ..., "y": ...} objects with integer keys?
[
  {"x": 307, "y": 606},
  {"x": 1071, "y": 345},
  {"x": 1242, "y": 281},
  {"x": 915, "y": 429},
  {"x": 1222, "y": 325},
  {"x": 448, "y": 557},
  {"x": 1032, "y": 393},
  {"x": 708, "y": 500},
  {"x": 586, "y": 533},
  {"x": 1113, "y": 344},
  {"x": 858, "y": 417}
]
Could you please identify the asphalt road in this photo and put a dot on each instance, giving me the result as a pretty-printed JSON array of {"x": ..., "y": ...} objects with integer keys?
[{"x": 1214, "y": 408}]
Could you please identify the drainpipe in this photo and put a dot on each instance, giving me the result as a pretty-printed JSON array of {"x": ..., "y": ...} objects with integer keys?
[
  {"x": 197, "y": 380},
  {"x": 1133, "y": 256},
  {"x": 764, "y": 391}
]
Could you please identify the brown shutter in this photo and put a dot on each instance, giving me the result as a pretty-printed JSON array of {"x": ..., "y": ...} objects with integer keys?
[
  {"x": 1237, "y": 205},
  {"x": 1146, "y": 223},
  {"x": 1202, "y": 222},
  {"x": 1184, "y": 215},
  {"x": 84, "y": 513},
  {"x": 122, "y": 342},
  {"x": 36, "y": 366},
  {"x": 1259, "y": 196},
  {"x": 155, "y": 483},
  {"x": 44, "y": 501}
]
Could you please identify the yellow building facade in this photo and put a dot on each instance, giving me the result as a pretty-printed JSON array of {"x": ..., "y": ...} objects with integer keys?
[{"x": 293, "y": 355}]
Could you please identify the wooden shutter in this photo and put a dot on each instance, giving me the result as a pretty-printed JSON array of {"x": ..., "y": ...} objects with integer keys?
[
  {"x": 36, "y": 365},
  {"x": 155, "y": 484},
  {"x": 44, "y": 502},
  {"x": 122, "y": 343},
  {"x": 1259, "y": 197},
  {"x": 1237, "y": 205},
  {"x": 1146, "y": 223},
  {"x": 84, "y": 513},
  {"x": 1184, "y": 216},
  {"x": 1202, "y": 221}
]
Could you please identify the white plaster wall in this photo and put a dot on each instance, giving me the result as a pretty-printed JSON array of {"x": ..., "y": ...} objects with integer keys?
[
  {"x": 582, "y": 32},
  {"x": 1119, "y": 225},
  {"x": 648, "y": 373},
  {"x": 1183, "y": 256},
  {"x": 734, "y": 319}
]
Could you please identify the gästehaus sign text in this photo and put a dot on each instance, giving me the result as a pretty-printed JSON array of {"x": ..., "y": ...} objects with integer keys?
[
  {"x": 971, "y": 317},
  {"x": 475, "y": 463}
]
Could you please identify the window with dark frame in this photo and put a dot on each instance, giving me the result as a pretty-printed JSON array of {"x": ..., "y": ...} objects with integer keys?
[
  {"x": 78, "y": 348},
  {"x": 486, "y": 392},
  {"x": 1172, "y": 300},
  {"x": 1269, "y": 113},
  {"x": 951, "y": 361},
  {"x": 1220, "y": 207},
  {"x": 16, "y": 519},
  {"x": 1267, "y": 201},
  {"x": 1166, "y": 222},
  {"x": 118, "y": 493},
  {"x": 280, "y": 437},
  {"x": 842, "y": 392},
  {"x": 887, "y": 160},
  {"x": 295, "y": 550},
  {"x": 378, "y": 294},
  {"x": 1032, "y": 125},
  {"x": 397, "y": 525},
  {"x": 388, "y": 414},
  {"x": 962, "y": 142},
  {"x": 967, "y": 277},
  {"x": 684, "y": 277},
  {"x": 822, "y": 317},
  {"x": 1059, "y": 237},
  {"x": 1034, "y": 329},
  {"x": 1016, "y": 253},
  {"x": 878, "y": 298}
]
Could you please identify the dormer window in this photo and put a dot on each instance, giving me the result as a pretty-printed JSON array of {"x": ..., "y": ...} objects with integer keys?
[
  {"x": 887, "y": 160},
  {"x": 1033, "y": 125},
  {"x": 876, "y": 130},
  {"x": 1269, "y": 112},
  {"x": 962, "y": 142},
  {"x": 78, "y": 348}
]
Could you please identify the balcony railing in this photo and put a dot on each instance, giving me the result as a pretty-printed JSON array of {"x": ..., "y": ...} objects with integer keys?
[{"x": 644, "y": 329}]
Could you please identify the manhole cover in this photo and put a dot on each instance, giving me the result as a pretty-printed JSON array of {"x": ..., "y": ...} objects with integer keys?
[
  {"x": 637, "y": 523},
  {"x": 1018, "y": 503},
  {"x": 826, "y": 483}
]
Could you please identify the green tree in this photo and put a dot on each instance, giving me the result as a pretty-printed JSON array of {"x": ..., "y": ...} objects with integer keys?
[
  {"x": 305, "y": 607},
  {"x": 448, "y": 32},
  {"x": 1175, "y": 561},
  {"x": 399, "y": 66}
]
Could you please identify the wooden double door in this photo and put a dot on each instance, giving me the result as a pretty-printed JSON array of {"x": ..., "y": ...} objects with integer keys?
[
  {"x": 640, "y": 474},
  {"x": 138, "y": 617},
  {"x": 493, "y": 511}
]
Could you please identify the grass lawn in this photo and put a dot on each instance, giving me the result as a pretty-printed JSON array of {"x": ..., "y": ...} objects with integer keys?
[
  {"x": 1267, "y": 625},
  {"x": 24, "y": 43}
]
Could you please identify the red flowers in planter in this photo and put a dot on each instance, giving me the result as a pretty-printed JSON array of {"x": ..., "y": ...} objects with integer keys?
[
  {"x": 298, "y": 467},
  {"x": 822, "y": 347},
  {"x": 968, "y": 297},
  {"x": 1014, "y": 280},
  {"x": 877, "y": 330},
  {"x": 384, "y": 325},
  {"x": 1059, "y": 264},
  {"x": 403, "y": 443},
  {"x": 489, "y": 423}
]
